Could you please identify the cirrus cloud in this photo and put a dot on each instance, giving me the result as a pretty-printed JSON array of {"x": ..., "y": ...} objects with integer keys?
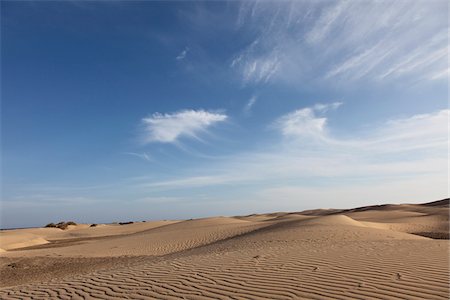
[{"x": 302, "y": 41}]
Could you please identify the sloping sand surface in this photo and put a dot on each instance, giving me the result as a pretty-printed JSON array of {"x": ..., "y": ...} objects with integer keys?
[
  {"x": 84, "y": 230},
  {"x": 159, "y": 240},
  {"x": 13, "y": 240},
  {"x": 289, "y": 217},
  {"x": 420, "y": 219},
  {"x": 342, "y": 255},
  {"x": 20, "y": 238},
  {"x": 334, "y": 220}
]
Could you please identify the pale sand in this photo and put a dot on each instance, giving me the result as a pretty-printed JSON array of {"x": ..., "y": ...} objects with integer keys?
[{"x": 364, "y": 253}]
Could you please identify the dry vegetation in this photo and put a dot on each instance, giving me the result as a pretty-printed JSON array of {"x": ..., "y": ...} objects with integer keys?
[
  {"x": 125, "y": 223},
  {"x": 61, "y": 225}
]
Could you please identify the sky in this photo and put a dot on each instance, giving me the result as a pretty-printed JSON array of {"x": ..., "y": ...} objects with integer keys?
[{"x": 141, "y": 110}]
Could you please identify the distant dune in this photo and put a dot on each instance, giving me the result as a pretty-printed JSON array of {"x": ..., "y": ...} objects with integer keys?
[{"x": 372, "y": 252}]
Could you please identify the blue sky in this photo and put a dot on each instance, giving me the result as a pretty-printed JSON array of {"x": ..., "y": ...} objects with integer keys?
[{"x": 158, "y": 110}]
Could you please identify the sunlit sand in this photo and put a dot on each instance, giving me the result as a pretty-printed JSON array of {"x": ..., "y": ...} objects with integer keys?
[{"x": 387, "y": 252}]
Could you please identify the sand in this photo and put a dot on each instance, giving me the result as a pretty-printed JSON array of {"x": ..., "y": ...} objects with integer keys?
[{"x": 376, "y": 252}]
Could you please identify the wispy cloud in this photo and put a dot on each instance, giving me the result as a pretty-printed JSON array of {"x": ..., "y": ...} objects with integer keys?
[
  {"x": 400, "y": 150},
  {"x": 298, "y": 40},
  {"x": 190, "y": 182},
  {"x": 402, "y": 159},
  {"x": 182, "y": 54},
  {"x": 443, "y": 74},
  {"x": 143, "y": 156},
  {"x": 325, "y": 22},
  {"x": 168, "y": 128},
  {"x": 424, "y": 131},
  {"x": 256, "y": 67},
  {"x": 305, "y": 122},
  {"x": 419, "y": 132},
  {"x": 251, "y": 102},
  {"x": 434, "y": 50}
]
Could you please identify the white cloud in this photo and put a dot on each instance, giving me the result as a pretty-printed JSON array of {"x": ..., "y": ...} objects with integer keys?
[
  {"x": 325, "y": 22},
  {"x": 424, "y": 131},
  {"x": 183, "y": 54},
  {"x": 419, "y": 132},
  {"x": 256, "y": 68},
  {"x": 260, "y": 69},
  {"x": 387, "y": 157},
  {"x": 443, "y": 74},
  {"x": 328, "y": 106},
  {"x": 304, "y": 122},
  {"x": 168, "y": 128},
  {"x": 400, "y": 160},
  {"x": 295, "y": 41},
  {"x": 190, "y": 182},
  {"x": 143, "y": 156},
  {"x": 419, "y": 59},
  {"x": 250, "y": 103},
  {"x": 359, "y": 64}
]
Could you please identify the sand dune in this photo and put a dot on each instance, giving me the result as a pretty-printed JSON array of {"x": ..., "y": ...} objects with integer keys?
[
  {"x": 159, "y": 240},
  {"x": 365, "y": 253},
  {"x": 21, "y": 238},
  {"x": 13, "y": 240},
  {"x": 334, "y": 220}
]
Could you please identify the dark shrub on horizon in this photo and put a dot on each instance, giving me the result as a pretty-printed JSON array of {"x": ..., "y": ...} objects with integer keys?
[
  {"x": 125, "y": 223},
  {"x": 61, "y": 225}
]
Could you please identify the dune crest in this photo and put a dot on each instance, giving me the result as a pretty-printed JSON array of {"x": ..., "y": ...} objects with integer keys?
[{"x": 334, "y": 220}]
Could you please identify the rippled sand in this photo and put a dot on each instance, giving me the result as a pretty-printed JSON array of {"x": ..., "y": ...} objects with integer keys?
[{"x": 381, "y": 252}]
